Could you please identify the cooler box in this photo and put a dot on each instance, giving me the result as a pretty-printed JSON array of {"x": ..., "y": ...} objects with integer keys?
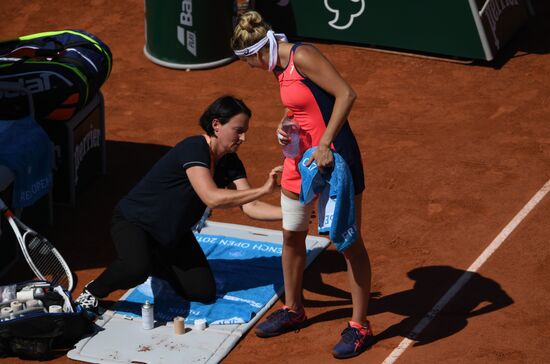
[{"x": 80, "y": 151}]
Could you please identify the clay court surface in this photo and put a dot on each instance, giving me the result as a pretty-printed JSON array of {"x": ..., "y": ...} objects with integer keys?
[{"x": 452, "y": 153}]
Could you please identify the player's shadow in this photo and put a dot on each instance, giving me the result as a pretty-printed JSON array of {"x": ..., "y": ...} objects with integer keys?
[
  {"x": 480, "y": 295},
  {"x": 329, "y": 261}
]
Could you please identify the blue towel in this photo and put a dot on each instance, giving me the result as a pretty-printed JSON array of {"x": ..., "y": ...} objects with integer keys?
[
  {"x": 336, "y": 204},
  {"x": 248, "y": 274},
  {"x": 26, "y": 150}
]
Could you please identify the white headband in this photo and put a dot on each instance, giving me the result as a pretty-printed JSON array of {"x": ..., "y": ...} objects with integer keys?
[{"x": 270, "y": 37}]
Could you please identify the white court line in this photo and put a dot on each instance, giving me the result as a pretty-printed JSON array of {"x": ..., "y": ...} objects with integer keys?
[{"x": 495, "y": 244}]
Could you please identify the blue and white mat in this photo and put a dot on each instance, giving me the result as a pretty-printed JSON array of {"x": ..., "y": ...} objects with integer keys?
[
  {"x": 247, "y": 272},
  {"x": 246, "y": 262}
]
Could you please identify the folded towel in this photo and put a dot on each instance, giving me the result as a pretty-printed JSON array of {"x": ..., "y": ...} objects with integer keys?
[
  {"x": 26, "y": 150},
  {"x": 336, "y": 204}
]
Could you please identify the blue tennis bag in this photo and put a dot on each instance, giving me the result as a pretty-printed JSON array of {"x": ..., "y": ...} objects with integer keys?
[
  {"x": 62, "y": 69},
  {"x": 38, "y": 319}
]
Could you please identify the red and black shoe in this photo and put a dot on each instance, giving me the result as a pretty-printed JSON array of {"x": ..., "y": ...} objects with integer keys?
[
  {"x": 354, "y": 340},
  {"x": 281, "y": 321}
]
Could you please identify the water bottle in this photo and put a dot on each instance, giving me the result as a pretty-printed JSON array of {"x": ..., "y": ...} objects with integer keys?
[{"x": 292, "y": 129}]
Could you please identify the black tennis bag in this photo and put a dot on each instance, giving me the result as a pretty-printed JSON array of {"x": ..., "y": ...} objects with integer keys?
[
  {"x": 35, "y": 331},
  {"x": 62, "y": 69}
]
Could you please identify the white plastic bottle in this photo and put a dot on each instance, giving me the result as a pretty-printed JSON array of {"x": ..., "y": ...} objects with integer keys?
[
  {"x": 292, "y": 129},
  {"x": 148, "y": 321}
]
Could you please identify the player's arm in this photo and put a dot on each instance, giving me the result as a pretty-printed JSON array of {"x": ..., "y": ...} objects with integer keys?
[
  {"x": 215, "y": 197},
  {"x": 258, "y": 210},
  {"x": 312, "y": 64}
]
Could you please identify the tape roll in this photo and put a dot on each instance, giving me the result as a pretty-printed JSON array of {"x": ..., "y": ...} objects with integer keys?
[
  {"x": 200, "y": 324},
  {"x": 25, "y": 294},
  {"x": 6, "y": 310},
  {"x": 55, "y": 309},
  {"x": 33, "y": 303},
  {"x": 179, "y": 325},
  {"x": 16, "y": 306}
]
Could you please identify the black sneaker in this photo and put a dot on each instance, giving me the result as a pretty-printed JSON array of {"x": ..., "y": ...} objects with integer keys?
[{"x": 281, "y": 321}]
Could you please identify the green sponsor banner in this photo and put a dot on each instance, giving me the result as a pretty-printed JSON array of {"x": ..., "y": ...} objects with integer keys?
[
  {"x": 189, "y": 33},
  {"x": 474, "y": 29}
]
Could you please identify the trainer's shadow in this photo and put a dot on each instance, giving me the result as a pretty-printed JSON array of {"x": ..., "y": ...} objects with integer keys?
[
  {"x": 480, "y": 295},
  {"x": 82, "y": 234}
]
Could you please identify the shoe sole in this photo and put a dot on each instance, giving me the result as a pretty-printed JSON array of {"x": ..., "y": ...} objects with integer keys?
[{"x": 365, "y": 347}]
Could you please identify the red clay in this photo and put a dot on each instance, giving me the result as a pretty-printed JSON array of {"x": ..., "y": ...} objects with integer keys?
[{"x": 452, "y": 152}]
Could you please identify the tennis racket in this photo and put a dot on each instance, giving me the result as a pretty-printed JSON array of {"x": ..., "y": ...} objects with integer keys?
[{"x": 42, "y": 257}]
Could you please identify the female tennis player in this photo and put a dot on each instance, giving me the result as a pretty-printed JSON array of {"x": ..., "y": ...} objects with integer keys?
[
  {"x": 320, "y": 99},
  {"x": 152, "y": 225}
]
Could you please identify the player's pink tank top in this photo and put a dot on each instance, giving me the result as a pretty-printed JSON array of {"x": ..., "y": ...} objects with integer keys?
[{"x": 298, "y": 97}]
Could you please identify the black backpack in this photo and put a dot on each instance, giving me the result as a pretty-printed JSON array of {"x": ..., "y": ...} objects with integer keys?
[
  {"x": 38, "y": 334},
  {"x": 62, "y": 69}
]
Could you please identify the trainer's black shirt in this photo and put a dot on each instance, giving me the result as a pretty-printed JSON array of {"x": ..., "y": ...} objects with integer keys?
[{"x": 164, "y": 202}]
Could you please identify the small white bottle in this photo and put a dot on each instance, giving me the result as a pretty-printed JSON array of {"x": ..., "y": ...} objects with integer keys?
[
  {"x": 292, "y": 129},
  {"x": 148, "y": 320}
]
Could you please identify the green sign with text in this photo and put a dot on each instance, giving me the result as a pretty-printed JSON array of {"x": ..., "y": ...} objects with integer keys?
[{"x": 473, "y": 29}]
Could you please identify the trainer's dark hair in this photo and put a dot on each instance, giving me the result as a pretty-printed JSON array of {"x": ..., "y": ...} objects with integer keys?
[{"x": 223, "y": 109}]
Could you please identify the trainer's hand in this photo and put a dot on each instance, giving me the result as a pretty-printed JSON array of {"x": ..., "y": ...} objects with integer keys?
[
  {"x": 271, "y": 184},
  {"x": 324, "y": 158}
]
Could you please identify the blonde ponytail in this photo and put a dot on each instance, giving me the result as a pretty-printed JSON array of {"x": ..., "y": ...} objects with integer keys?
[{"x": 250, "y": 28}]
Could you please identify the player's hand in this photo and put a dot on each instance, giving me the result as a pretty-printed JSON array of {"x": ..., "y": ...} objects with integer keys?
[
  {"x": 282, "y": 137},
  {"x": 323, "y": 157}
]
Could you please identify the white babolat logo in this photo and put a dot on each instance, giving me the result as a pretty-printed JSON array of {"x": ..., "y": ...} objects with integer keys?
[
  {"x": 186, "y": 37},
  {"x": 37, "y": 84}
]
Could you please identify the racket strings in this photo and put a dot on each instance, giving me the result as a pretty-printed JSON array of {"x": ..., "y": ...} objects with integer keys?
[{"x": 47, "y": 260}]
